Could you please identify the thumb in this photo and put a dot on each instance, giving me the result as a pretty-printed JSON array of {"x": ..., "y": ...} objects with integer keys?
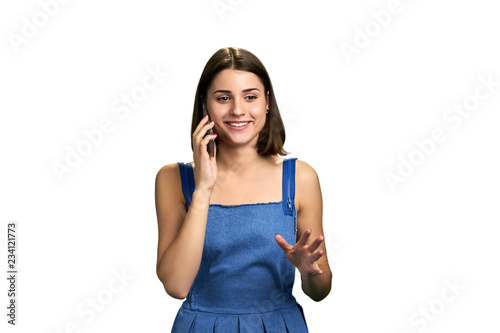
[{"x": 282, "y": 243}]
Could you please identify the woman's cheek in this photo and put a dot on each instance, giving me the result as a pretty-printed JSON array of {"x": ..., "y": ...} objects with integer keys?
[{"x": 258, "y": 111}]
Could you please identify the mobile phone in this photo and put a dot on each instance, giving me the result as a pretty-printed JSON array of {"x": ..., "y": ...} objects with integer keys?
[{"x": 211, "y": 143}]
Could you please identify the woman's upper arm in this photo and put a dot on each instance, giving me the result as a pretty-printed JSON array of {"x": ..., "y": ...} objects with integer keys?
[
  {"x": 170, "y": 206},
  {"x": 309, "y": 204}
]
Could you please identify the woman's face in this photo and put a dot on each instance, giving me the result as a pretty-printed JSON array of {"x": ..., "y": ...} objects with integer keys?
[{"x": 237, "y": 103}]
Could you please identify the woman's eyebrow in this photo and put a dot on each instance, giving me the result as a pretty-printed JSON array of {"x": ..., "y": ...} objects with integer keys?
[
  {"x": 229, "y": 91},
  {"x": 250, "y": 89}
]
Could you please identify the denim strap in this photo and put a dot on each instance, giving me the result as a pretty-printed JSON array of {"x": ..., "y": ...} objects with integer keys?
[
  {"x": 288, "y": 190},
  {"x": 187, "y": 179}
]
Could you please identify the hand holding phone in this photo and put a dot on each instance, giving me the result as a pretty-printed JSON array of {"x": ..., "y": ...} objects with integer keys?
[{"x": 211, "y": 143}]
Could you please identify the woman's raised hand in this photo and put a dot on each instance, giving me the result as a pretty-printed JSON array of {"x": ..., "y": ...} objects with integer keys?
[
  {"x": 205, "y": 171},
  {"x": 301, "y": 255}
]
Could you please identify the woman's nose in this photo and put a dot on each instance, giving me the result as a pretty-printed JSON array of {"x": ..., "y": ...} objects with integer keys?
[{"x": 237, "y": 108}]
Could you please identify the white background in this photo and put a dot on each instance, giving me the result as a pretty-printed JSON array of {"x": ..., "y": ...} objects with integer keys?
[{"x": 351, "y": 118}]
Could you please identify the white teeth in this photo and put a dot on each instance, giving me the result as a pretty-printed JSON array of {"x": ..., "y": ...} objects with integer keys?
[{"x": 238, "y": 124}]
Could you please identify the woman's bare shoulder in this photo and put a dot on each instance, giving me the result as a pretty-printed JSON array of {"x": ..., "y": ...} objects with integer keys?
[
  {"x": 168, "y": 184},
  {"x": 305, "y": 172},
  {"x": 169, "y": 176},
  {"x": 169, "y": 171},
  {"x": 307, "y": 185}
]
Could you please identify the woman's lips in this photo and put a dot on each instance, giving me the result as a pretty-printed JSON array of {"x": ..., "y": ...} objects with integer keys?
[{"x": 237, "y": 125}]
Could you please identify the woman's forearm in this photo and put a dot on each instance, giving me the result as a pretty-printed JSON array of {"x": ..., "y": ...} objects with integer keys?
[
  {"x": 179, "y": 265},
  {"x": 317, "y": 287}
]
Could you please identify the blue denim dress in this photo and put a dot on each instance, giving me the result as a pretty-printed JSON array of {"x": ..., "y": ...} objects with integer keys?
[{"x": 244, "y": 283}]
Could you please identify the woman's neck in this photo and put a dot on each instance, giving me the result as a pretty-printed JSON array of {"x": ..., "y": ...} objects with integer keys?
[{"x": 238, "y": 159}]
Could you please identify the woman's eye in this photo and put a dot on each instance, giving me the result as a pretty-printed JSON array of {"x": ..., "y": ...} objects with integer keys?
[
  {"x": 251, "y": 97},
  {"x": 223, "y": 98}
]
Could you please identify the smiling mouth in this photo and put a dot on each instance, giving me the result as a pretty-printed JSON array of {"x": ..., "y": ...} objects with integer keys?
[{"x": 238, "y": 123}]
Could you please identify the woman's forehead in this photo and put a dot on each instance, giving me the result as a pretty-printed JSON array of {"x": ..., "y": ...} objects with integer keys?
[{"x": 235, "y": 80}]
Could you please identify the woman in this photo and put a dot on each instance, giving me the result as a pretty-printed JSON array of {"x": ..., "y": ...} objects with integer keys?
[{"x": 233, "y": 226}]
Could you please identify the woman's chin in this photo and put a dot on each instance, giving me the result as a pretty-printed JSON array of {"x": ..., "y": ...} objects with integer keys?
[{"x": 238, "y": 142}]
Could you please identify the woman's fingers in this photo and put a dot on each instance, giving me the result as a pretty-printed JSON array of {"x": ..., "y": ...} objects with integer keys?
[
  {"x": 200, "y": 136},
  {"x": 282, "y": 242},
  {"x": 206, "y": 139},
  {"x": 205, "y": 172},
  {"x": 319, "y": 272},
  {"x": 305, "y": 237},
  {"x": 317, "y": 255},
  {"x": 202, "y": 129},
  {"x": 317, "y": 242},
  {"x": 301, "y": 255},
  {"x": 203, "y": 122}
]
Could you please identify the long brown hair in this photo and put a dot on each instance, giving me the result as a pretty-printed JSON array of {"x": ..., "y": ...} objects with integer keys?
[{"x": 272, "y": 136}]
